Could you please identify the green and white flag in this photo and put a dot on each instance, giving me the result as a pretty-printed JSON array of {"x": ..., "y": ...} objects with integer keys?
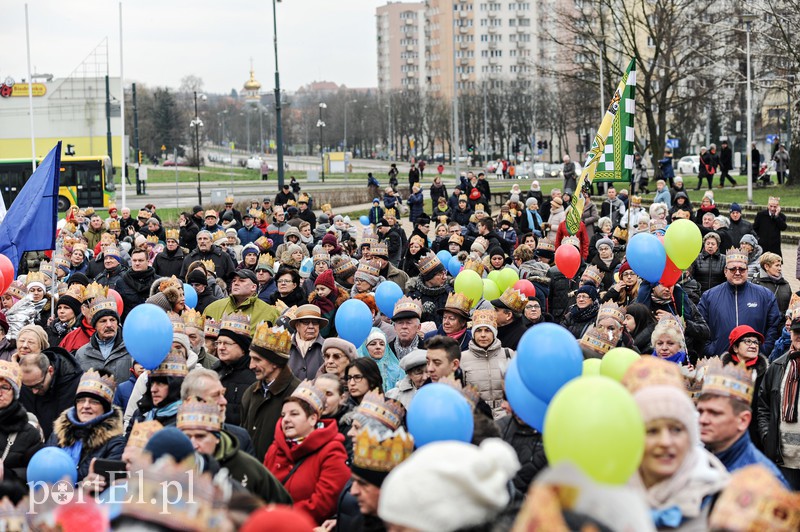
[{"x": 616, "y": 161}]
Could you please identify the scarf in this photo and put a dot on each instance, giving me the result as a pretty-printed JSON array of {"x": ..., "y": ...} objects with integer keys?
[
  {"x": 388, "y": 364},
  {"x": 61, "y": 328},
  {"x": 458, "y": 335},
  {"x": 170, "y": 410},
  {"x": 749, "y": 363},
  {"x": 789, "y": 406},
  {"x": 678, "y": 357},
  {"x": 584, "y": 314},
  {"x": 660, "y": 300},
  {"x": 403, "y": 351},
  {"x": 76, "y": 449},
  {"x": 326, "y": 304}
]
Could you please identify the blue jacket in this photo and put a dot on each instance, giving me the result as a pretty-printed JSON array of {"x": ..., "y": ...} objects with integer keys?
[
  {"x": 781, "y": 345},
  {"x": 391, "y": 202},
  {"x": 123, "y": 393},
  {"x": 667, "y": 171},
  {"x": 663, "y": 197},
  {"x": 726, "y": 306},
  {"x": 375, "y": 214},
  {"x": 247, "y": 236},
  {"x": 743, "y": 453},
  {"x": 415, "y": 203}
]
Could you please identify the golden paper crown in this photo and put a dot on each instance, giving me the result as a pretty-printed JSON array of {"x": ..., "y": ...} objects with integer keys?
[
  {"x": 736, "y": 255},
  {"x": 102, "y": 386},
  {"x": 94, "y": 289},
  {"x": 113, "y": 225},
  {"x": 11, "y": 372},
  {"x": 597, "y": 340},
  {"x": 103, "y": 303},
  {"x": 263, "y": 243},
  {"x": 731, "y": 380},
  {"x": 211, "y": 328},
  {"x": 456, "y": 239},
  {"x": 375, "y": 406},
  {"x": 167, "y": 282},
  {"x": 390, "y": 213},
  {"x": 265, "y": 261},
  {"x": 310, "y": 394},
  {"x": 474, "y": 265},
  {"x": 345, "y": 265},
  {"x": 302, "y": 198},
  {"x": 429, "y": 263},
  {"x": 480, "y": 207},
  {"x": 88, "y": 211},
  {"x": 70, "y": 228},
  {"x": 326, "y": 207},
  {"x": 174, "y": 234},
  {"x": 219, "y": 236},
  {"x": 61, "y": 289},
  {"x": 275, "y": 339},
  {"x": 178, "y": 325},
  {"x": 458, "y": 302},
  {"x": 572, "y": 240},
  {"x": 17, "y": 289},
  {"x": 592, "y": 273},
  {"x": 209, "y": 265},
  {"x": 144, "y": 213},
  {"x": 651, "y": 371},
  {"x": 173, "y": 365},
  {"x": 418, "y": 239},
  {"x": 407, "y": 304},
  {"x": 379, "y": 249},
  {"x": 369, "y": 239},
  {"x": 484, "y": 318},
  {"x": 514, "y": 300},
  {"x": 321, "y": 256},
  {"x": 237, "y": 322},
  {"x": 141, "y": 433},
  {"x": 192, "y": 318},
  {"x": 636, "y": 200},
  {"x": 61, "y": 261},
  {"x": 369, "y": 267},
  {"x": 48, "y": 270},
  {"x": 469, "y": 392},
  {"x": 228, "y": 199},
  {"x": 756, "y": 500},
  {"x": 381, "y": 454},
  {"x": 254, "y": 213},
  {"x": 37, "y": 277},
  {"x": 198, "y": 415},
  {"x": 694, "y": 377},
  {"x": 152, "y": 239},
  {"x": 611, "y": 310},
  {"x": 14, "y": 518},
  {"x": 291, "y": 203}
]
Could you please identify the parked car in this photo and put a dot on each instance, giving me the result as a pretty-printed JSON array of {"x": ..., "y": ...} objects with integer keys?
[
  {"x": 182, "y": 161},
  {"x": 552, "y": 170},
  {"x": 690, "y": 164},
  {"x": 253, "y": 163}
]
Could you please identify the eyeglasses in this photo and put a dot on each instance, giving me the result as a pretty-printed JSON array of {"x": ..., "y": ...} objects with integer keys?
[
  {"x": 332, "y": 356},
  {"x": 535, "y": 306},
  {"x": 582, "y": 296},
  {"x": 737, "y": 270},
  {"x": 354, "y": 378},
  {"x": 6, "y": 388},
  {"x": 220, "y": 343},
  {"x": 284, "y": 281},
  {"x": 629, "y": 273},
  {"x": 751, "y": 341},
  {"x": 39, "y": 386},
  {"x": 308, "y": 323}
]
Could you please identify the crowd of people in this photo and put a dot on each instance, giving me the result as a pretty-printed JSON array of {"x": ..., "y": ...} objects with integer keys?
[{"x": 311, "y": 429}]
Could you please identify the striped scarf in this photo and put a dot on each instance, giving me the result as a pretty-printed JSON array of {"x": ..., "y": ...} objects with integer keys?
[{"x": 790, "y": 393}]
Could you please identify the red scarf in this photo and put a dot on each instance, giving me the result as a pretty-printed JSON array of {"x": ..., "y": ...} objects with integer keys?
[
  {"x": 458, "y": 334},
  {"x": 748, "y": 363}
]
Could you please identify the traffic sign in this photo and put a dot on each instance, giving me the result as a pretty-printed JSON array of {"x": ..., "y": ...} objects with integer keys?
[
  {"x": 673, "y": 143},
  {"x": 771, "y": 139}
]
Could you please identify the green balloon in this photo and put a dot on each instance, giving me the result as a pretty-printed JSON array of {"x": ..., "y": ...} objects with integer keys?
[
  {"x": 494, "y": 275},
  {"x": 591, "y": 366},
  {"x": 507, "y": 279},
  {"x": 617, "y": 361},
  {"x": 683, "y": 243},
  {"x": 469, "y": 283},
  {"x": 490, "y": 290},
  {"x": 595, "y": 423}
]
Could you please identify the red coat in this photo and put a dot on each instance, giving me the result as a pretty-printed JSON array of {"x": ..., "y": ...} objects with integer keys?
[
  {"x": 582, "y": 235},
  {"x": 78, "y": 337},
  {"x": 315, "y": 485}
]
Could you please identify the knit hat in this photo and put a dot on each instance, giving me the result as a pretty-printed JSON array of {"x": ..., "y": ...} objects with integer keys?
[
  {"x": 70, "y": 301},
  {"x": 79, "y": 278},
  {"x": 197, "y": 276},
  {"x": 278, "y": 518},
  {"x": 665, "y": 401},
  {"x": 250, "y": 249},
  {"x": 169, "y": 441},
  {"x": 330, "y": 239},
  {"x": 470, "y": 483},
  {"x": 604, "y": 242},
  {"x": 749, "y": 239},
  {"x": 480, "y": 245},
  {"x": 160, "y": 300},
  {"x": 11, "y": 372},
  {"x": 342, "y": 345},
  {"x": 589, "y": 290},
  {"x": 735, "y": 207},
  {"x": 624, "y": 267},
  {"x": 531, "y": 201},
  {"x": 326, "y": 279},
  {"x": 37, "y": 331}
]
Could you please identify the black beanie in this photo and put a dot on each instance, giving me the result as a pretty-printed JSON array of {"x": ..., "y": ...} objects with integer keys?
[
  {"x": 169, "y": 441},
  {"x": 242, "y": 340},
  {"x": 198, "y": 277},
  {"x": 71, "y": 302},
  {"x": 102, "y": 313},
  {"x": 79, "y": 278}
]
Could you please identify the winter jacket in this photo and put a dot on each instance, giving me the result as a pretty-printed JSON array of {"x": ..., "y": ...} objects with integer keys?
[
  {"x": 223, "y": 263},
  {"x": 770, "y": 400},
  {"x": 261, "y": 409},
  {"x": 248, "y": 236},
  {"x": 615, "y": 210},
  {"x": 188, "y": 236},
  {"x": 590, "y": 216},
  {"x": 7, "y": 349},
  {"x": 27, "y": 440},
  {"x": 527, "y": 443},
  {"x": 709, "y": 270},
  {"x": 123, "y": 393},
  {"x": 726, "y": 306},
  {"x": 486, "y": 369},
  {"x": 575, "y": 326},
  {"x": 102, "y": 437},
  {"x": 256, "y": 309},
  {"x": 462, "y": 216},
  {"x": 606, "y": 270},
  {"x": 77, "y": 337},
  {"x": 744, "y": 453},
  {"x": 696, "y": 329},
  {"x": 779, "y": 287},
  {"x": 322, "y": 471},
  {"x": 306, "y": 367},
  {"x": 463, "y": 343},
  {"x": 403, "y": 392},
  {"x": 395, "y": 244},
  {"x": 438, "y": 192},
  {"x": 582, "y": 235},
  {"x": 432, "y": 298},
  {"x": 510, "y": 335},
  {"x": 663, "y": 196},
  {"x": 134, "y": 288},
  {"x": 396, "y": 275},
  {"x": 560, "y": 289},
  {"x": 768, "y": 228},
  {"x": 60, "y": 395},
  {"x": 248, "y": 471},
  {"x": 276, "y": 233},
  {"x": 236, "y": 377},
  {"x": 782, "y": 345},
  {"x": 169, "y": 263},
  {"x": 738, "y": 229},
  {"x": 415, "y": 204},
  {"x": 110, "y": 278},
  {"x": 119, "y": 362}
]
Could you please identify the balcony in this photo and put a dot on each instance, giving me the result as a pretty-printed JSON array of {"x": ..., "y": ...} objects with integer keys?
[
  {"x": 410, "y": 61},
  {"x": 464, "y": 77},
  {"x": 464, "y": 61},
  {"x": 410, "y": 74},
  {"x": 522, "y": 29},
  {"x": 492, "y": 14},
  {"x": 463, "y": 29},
  {"x": 494, "y": 60},
  {"x": 410, "y": 48},
  {"x": 463, "y": 14},
  {"x": 521, "y": 44},
  {"x": 492, "y": 45},
  {"x": 409, "y": 22},
  {"x": 521, "y": 14},
  {"x": 463, "y": 45},
  {"x": 492, "y": 29}
]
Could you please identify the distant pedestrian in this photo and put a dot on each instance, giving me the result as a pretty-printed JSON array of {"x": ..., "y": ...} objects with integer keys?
[{"x": 725, "y": 164}]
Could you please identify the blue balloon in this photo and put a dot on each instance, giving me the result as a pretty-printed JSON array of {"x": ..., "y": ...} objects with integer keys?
[
  {"x": 190, "y": 295},
  {"x": 647, "y": 256},
  {"x": 549, "y": 357},
  {"x": 527, "y": 406},
  {"x": 148, "y": 335},
  {"x": 444, "y": 257},
  {"x": 454, "y": 266},
  {"x": 353, "y": 321},
  {"x": 364, "y": 219},
  {"x": 386, "y": 295},
  {"x": 306, "y": 267},
  {"x": 439, "y": 413},
  {"x": 50, "y": 465}
]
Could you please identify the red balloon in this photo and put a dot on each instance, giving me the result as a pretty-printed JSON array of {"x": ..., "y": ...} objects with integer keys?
[
  {"x": 118, "y": 298},
  {"x": 568, "y": 260},
  {"x": 671, "y": 274},
  {"x": 526, "y": 287},
  {"x": 2, "y": 283},
  {"x": 7, "y": 269}
]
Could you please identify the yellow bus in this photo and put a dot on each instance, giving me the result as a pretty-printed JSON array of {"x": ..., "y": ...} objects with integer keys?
[{"x": 85, "y": 181}]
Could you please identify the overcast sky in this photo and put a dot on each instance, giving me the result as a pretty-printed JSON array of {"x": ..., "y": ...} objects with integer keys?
[{"x": 164, "y": 40}]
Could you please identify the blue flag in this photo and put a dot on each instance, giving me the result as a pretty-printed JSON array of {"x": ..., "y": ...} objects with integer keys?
[{"x": 30, "y": 223}]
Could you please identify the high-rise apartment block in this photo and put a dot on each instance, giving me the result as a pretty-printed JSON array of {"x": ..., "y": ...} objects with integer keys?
[{"x": 402, "y": 45}]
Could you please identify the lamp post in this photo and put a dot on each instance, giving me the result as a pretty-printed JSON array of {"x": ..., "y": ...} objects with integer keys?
[
  {"x": 320, "y": 125},
  {"x": 278, "y": 126},
  {"x": 344, "y": 145},
  {"x": 748, "y": 19},
  {"x": 197, "y": 124}
]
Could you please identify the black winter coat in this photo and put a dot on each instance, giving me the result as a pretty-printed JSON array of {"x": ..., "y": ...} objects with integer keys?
[
  {"x": 527, "y": 443},
  {"x": 28, "y": 440},
  {"x": 560, "y": 289},
  {"x": 236, "y": 378},
  {"x": 134, "y": 288},
  {"x": 768, "y": 410},
  {"x": 169, "y": 263},
  {"x": 223, "y": 263},
  {"x": 111, "y": 278},
  {"x": 188, "y": 236},
  {"x": 781, "y": 289},
  {"x": 709, "y": 270}
]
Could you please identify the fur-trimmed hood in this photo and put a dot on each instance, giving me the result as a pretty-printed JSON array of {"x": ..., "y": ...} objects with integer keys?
[
  {"x": 172, "y": 293},
  {"x": 94, "y": 436}
]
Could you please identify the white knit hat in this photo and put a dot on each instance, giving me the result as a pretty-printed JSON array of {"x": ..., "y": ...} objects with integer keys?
[
  {"x": 470, "y": 484},
  {"x": 670, "y": 402}
]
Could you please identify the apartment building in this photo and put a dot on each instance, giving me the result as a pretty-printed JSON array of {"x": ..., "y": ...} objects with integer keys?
[{"x": 401, "y": 45}]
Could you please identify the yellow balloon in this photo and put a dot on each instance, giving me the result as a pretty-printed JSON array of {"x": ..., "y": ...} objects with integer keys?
[
  {"x": 490, "y": 290},
  {"x": 591, "y": 366},
  {"x": 683, "y": 243},
  {"x": 469, "y": 283},
  {"x": 617, "y": 361}
]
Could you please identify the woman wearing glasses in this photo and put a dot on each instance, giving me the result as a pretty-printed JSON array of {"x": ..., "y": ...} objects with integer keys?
[
  {"x": 289, "y": 289},
  {"x": 745, "y": 346},
  {"x": 626, "y": 289},
  {"x": 534, "y": 314}
]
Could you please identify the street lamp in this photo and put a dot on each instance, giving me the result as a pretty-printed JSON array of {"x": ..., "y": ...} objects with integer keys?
[
  {"x": 320, "y": 125},
  {"x": 197, "y": 124},
  {"x": 278, "y": 126},
  {"x": 344, "y": 145},
  {"x": 748, "y": 19}
]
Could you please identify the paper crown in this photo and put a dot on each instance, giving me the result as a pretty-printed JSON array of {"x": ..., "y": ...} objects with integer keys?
[
  {"x": 102, "y": 303},
  {"x": 302, "y": 198},
  {"x": 219, "y": 236},
  {"x": 237, "y": 322},
  {"x": 407, "y": 304},
  {"x": 88, "y": 211},
  {"x": 228, "y": 199},
  {"x": 326, "y": 207},
  {"x": 211, "y": 328},
  {"x": 209, "y": 265},
  {"x": 381, "y": 453},
  {"x": 693, "y": 378},
  {"x": 198, "y": 415},
  {"x": 48, "y": 270},
  {"x": 390, "y": 213},
  {"x": 173, "y": 365},
  {"x": 597, "y": 340},
  {"x": 592, "y": 273},
  {"x": 60, "y": 261},
  {"x": 254, "y": 213},
  {"x": 311, "y": 395},
  {"x": 141, "y": 433},
  {"x": 69, "y": 228},
  {"x": 173, "y": 234},
  {"x": 651, "y": 371},
  {"x": 731, "y": 380},
  {"x": 456, "y": 239},
  {"x": 369, "y": 267},
  {"x": 113, "y": 250},
  {"x": 98, "y": 385},
  {"x": 265, "y": 262},
  {"x": 11, "y": 372},
  {"x": 756, "y": 500},
  {"x": 17, "y": 289},
  {"x": 429, "y": 263},
  {"x": 514, "y": 300},
  {"x": 418, "y": 239},
  {"x": 321, "y": 257},
  {"x": 375, "y": 406},
  {"x": 152, "y": 239},
  {"x": 484, "y": 318},
  {"x": 345, "y": 266},
  {"x": 469, "y": 392},
  {"x": 458, "y": 302},
  {"x": 178, "y": 325},
  {"x": 37, "y": 277},
  {"x": 369, "y": 240},
  {"x": 61, "y": 289},
  {"x": 95, "y": 289},
  {"x": 611, "y": 310},
  {"x": 636, "y": 200},
  {"x": 113, "y": 225},
  {"x": 15, "y": 518},
  {"x": 275, "y": 339},
  {"x": 474, "y": 265},
  {"x": 671, "y": 322},
  {"x": 263, "y": 243},
  {"x": 572, "y": 240},
  {"x": 192, "y": 318},
  {"x": 736, "y": 255},
  {"x": 380, "y": 249}
]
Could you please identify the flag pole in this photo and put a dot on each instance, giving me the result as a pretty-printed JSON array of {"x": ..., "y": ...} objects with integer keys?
[
  {"x": 30, "y": 91},
  {"x": 123, "y": 155}
]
